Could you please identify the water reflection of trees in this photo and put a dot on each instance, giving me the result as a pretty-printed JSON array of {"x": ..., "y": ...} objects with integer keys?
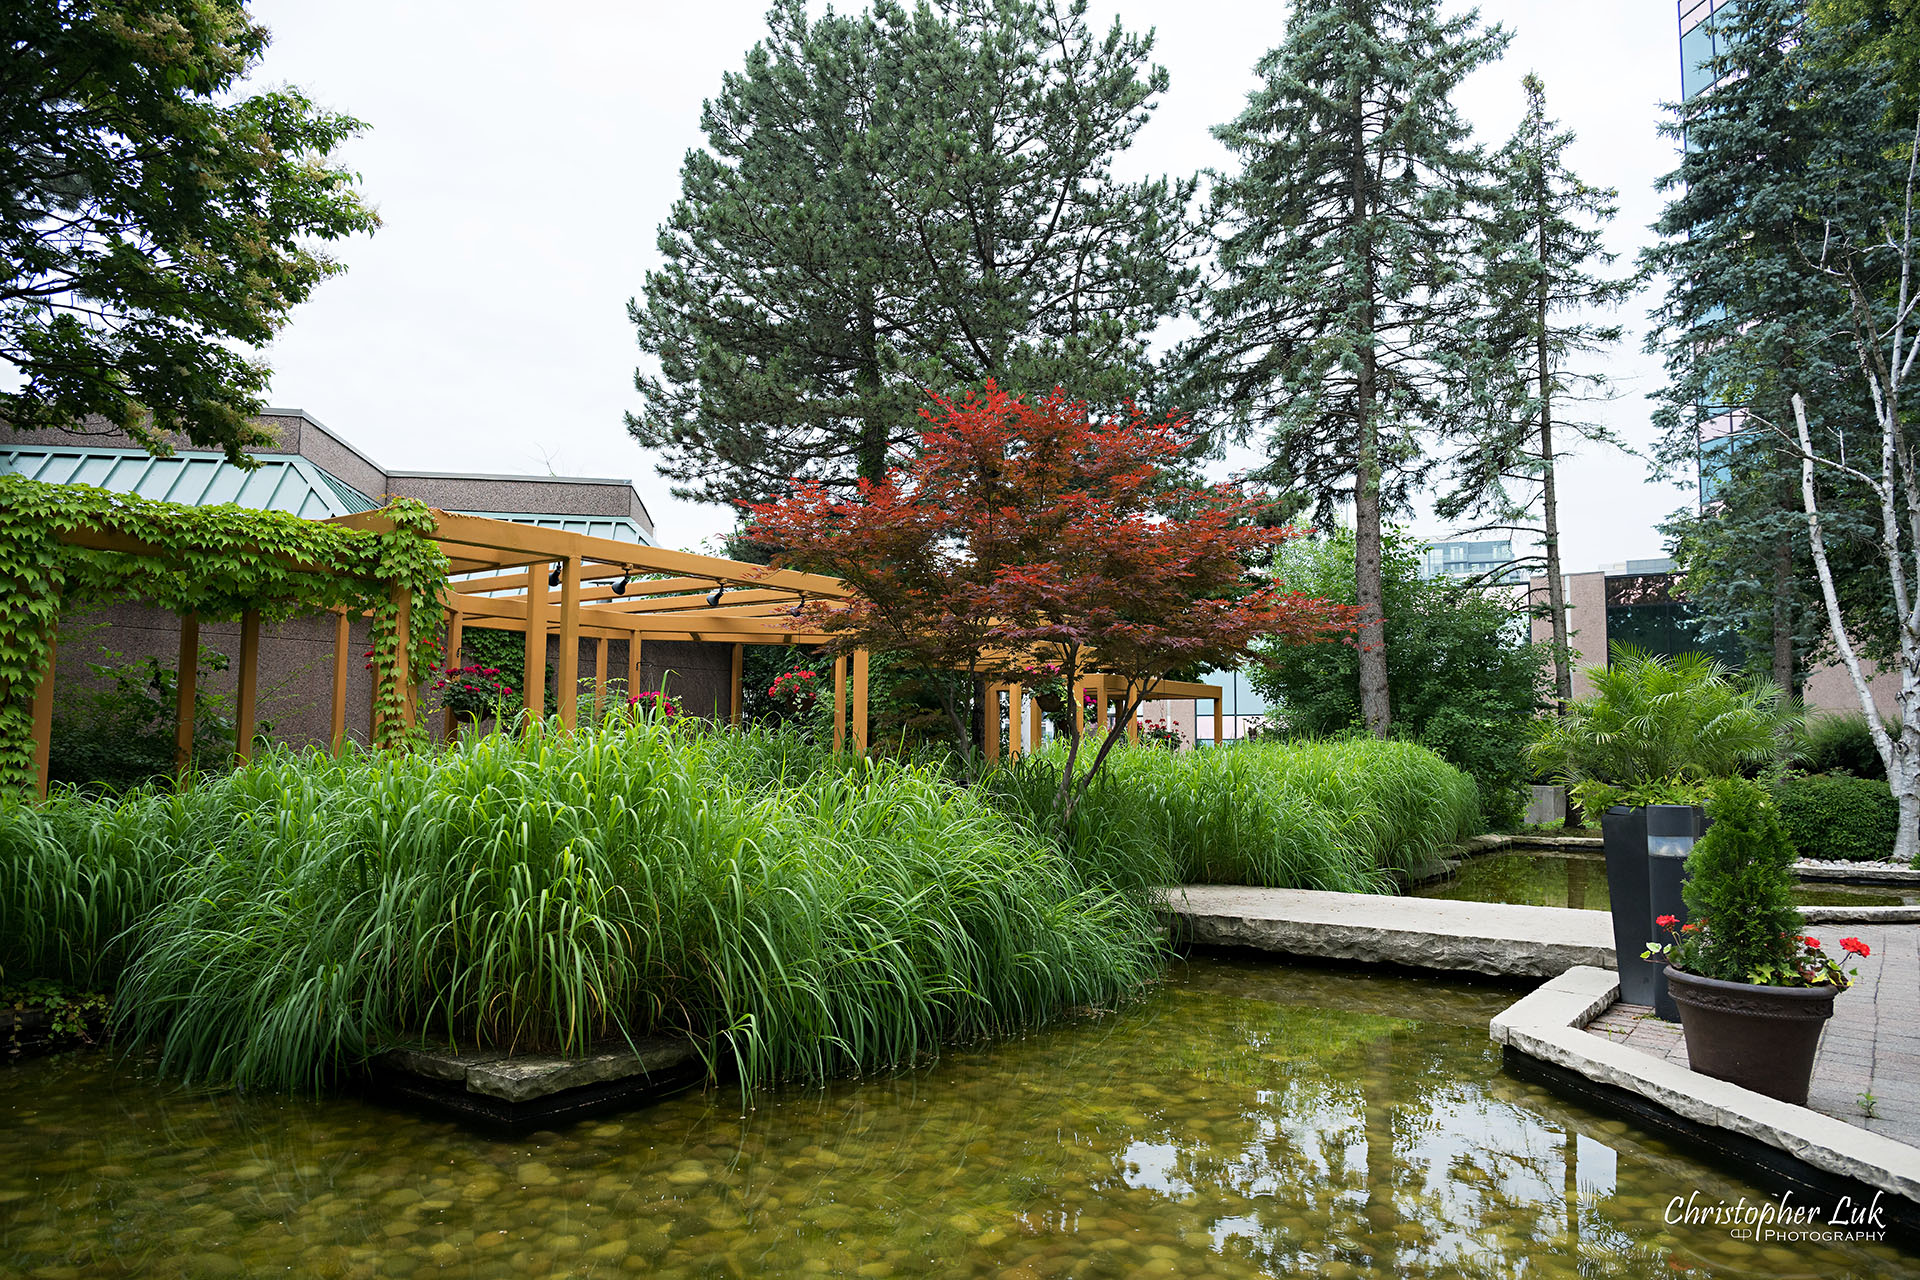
[{"x": 1364, "y": 1141}]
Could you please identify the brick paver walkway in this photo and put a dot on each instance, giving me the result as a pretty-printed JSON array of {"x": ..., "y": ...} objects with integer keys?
[{"x": 1872, "y": 1044}]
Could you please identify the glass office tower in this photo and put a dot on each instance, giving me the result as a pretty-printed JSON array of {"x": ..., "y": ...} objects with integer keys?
[{"x": 1700, "y": 43}]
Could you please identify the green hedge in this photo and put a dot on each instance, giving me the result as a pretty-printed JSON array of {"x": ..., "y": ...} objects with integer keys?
[{"x": 1834, "y": 816}]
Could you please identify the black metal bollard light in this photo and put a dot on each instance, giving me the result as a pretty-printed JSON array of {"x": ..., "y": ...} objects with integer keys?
[
  {"x": 1672, "y": 830},
  {"x": 1625, "y": 830}
]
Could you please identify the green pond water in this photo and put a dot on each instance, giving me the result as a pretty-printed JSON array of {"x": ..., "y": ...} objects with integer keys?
[
  {"x": 1245, "y": 1119},
  {"x": 1560, "y": 880}
]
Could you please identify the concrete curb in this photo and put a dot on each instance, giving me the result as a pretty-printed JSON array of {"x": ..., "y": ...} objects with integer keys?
[{"x": 1548, "y": 1025}]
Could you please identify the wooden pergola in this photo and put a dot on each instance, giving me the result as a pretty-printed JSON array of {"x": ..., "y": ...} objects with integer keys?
[
  {"x": 552, "y": 584},
  {"x": 1025, "y": 725}
]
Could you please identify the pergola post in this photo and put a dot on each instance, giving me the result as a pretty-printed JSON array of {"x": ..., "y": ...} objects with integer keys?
[
  {"x": 183, "y": 689},
  {"x": 244, "y": 713},
  {"x": 342, "y": 644},
  {"x": 860, "y": 701},
  {"x": 839, "y": 704},
  {"x": 733, "y": 701},
  {"x": 400, "y": 669},
  {"x": 1219, "y": 720},
  {"x": 599, "y": 678},
  {"x": 1014, "y": 711},
  {"x": 566, "y": 674},
  {"x": 1036, "y": 727},
  {"x": 456, "y": 632},
  {"x": 43, "y": 715},
  {"x": 633, "y": 667},
  {"x": 1133, "y": 718},
  {"x": 533, "y": 678},
  {"x": 990, "y": 723}
]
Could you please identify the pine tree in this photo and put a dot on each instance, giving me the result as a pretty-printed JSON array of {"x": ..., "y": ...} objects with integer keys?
[
  {"x": 1346, "y": 239},
  {"x": 895, "y": 202},
  {"x": 1541, "y": 244}
]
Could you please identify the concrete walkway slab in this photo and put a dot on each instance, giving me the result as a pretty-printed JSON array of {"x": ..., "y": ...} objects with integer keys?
[
  {"x": 1429, "y": 933},
  {"x": 1868, "y": 1069}
]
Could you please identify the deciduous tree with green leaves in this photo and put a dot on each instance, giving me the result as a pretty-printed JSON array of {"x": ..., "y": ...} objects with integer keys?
[
  {"x": 1465, "y": 680},
  {"x": 154, "y": 222},
  {"x": 1340, "y": 314},
  {"x": 1542, "y": 274},
  {"x": 896, "y": 201}
]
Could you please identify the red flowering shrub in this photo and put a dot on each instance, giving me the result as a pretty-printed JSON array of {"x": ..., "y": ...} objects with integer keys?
[{"x": 473, "y": 690}]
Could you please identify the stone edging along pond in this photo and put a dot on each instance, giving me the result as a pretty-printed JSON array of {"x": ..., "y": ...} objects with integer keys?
[{"x": 1543, "y": 1038}]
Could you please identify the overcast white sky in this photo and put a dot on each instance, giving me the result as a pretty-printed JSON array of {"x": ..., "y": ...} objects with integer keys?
[{"x": 522, "y": 156}]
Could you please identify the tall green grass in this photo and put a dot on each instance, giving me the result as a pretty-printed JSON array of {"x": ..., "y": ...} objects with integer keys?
[
  {"x": 802, "y": 915},
  {"x": 804, "y": 918},
  {"x": 1342, "y": 814}
]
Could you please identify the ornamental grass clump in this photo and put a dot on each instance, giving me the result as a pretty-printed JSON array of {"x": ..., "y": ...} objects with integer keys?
[
  {"x": 1338, "y": 814},
  {"x": 798, "y": 917}
]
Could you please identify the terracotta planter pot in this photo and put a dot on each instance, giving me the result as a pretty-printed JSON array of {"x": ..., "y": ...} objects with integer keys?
[{"x": 1760, "y": 1038}]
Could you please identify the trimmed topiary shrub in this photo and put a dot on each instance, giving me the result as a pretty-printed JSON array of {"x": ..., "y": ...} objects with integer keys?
[{"x": 1838, "y": 817}]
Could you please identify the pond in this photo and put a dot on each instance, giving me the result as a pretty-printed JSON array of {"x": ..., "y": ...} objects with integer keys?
[
  {"x": 1571, "y": 880},
  {"x": 1245, "y": 1119}
]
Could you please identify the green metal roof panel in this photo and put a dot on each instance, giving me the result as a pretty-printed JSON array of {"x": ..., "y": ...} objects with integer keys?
[
  {"x": 281, "y": 482},
  {"x": 618, "y": 528}
]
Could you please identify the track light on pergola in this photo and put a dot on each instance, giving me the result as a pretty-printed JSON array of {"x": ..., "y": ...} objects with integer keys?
[
  {"x": 620, "y": 587},
  {"x": 713, "y": 596},
  {"x": 553, "y": 579}
]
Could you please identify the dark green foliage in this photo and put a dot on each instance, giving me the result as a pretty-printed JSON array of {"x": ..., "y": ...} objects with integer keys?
[
  {"x": 154, "y": 221},
  {"x": 1838, "y": 817},
  {"x": 1840, "y": 743},
  {"x": 120, "y": 732},
  {"x": 894, "y": 201},
  {"x": 1464, "y": 679},
  {"x": 1740, "y": 882},
  {"x": 507, "y": 651},
  {"x": 1345, "y": 254},
  {"x": 1787, "y": 164}
]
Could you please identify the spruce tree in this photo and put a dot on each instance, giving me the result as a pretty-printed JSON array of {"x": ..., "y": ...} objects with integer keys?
[
  {"x": 894, "y": 202},
  {"x": 1541, "y": 273},
  {"x": 1744, "y": 326},
  {"x": 1340, "y": 311}
]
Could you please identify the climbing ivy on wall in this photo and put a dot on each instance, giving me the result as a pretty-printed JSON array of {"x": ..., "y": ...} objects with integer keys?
[{"x": 216, "y": 562}]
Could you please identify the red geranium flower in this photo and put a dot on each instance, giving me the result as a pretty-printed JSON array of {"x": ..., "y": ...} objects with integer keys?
[
  {"x": 1811, "y": 942},
  {"x": 1856, "y": 946},
  {"x": 1667, "y": 922}
]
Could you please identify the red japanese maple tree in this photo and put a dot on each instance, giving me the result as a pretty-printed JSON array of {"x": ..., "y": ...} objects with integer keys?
[{"x": 1024, "y": 534}]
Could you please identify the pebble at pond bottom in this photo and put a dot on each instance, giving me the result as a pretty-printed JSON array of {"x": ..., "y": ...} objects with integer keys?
[{"x": 1244, "y": 1119}]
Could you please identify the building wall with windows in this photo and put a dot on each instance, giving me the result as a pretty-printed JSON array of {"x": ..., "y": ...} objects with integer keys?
[{"x": 1488, "y": 560}]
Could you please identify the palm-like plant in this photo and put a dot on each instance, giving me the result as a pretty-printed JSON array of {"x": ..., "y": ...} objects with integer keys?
[{"x": 1658, "y": 728}]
